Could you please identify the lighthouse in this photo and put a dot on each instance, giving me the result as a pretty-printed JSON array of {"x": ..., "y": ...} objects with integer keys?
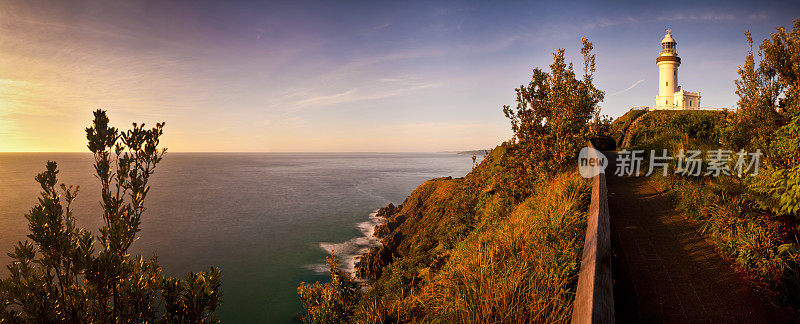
[{"x": 670, "y": 95}]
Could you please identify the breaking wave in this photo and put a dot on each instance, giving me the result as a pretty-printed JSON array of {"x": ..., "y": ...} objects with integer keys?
[{"x": 347, "y": 252}]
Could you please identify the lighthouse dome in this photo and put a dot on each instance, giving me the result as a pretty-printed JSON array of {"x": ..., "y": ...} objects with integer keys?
[
  {"x": 668, "y": 39},
  {"x": 668, "y": 45}
]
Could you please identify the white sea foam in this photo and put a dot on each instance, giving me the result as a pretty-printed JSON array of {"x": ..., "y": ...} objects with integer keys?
[{"x": 347, "y": 252}]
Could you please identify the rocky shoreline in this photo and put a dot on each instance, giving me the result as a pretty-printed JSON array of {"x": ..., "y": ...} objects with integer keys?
[{"x": 370, "y": 265}]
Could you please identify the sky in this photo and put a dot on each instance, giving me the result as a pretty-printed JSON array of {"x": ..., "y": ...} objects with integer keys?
[{"x": 372, "y": 76}]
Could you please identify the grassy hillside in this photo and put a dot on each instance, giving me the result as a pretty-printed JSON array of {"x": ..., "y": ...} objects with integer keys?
[
  {"x": 620, "y": 125},
  {"x": 524, "y": 269},
  {"x": 676, "y": 129},
  {"x": 461, "y": 250}
]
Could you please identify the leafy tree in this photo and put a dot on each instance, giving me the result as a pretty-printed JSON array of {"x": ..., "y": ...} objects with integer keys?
[
  {"x": 333, "y": 302},
  {"x": 768, "y": 118},
  {"x": 757, "y": 117},
  {"x": 600, "y": 126},
  {"x": 59, "y": 277},
  {"x": 551, "y": 119}
]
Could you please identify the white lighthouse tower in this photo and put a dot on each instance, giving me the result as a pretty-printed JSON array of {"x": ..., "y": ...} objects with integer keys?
[{"x": 670, "y": 95}]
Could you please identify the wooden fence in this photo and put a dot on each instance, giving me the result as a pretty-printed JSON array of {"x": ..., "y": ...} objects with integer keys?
[{"x": 594, "y": 299}]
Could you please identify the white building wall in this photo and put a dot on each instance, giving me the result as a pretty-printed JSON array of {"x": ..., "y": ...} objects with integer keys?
[
  {"x": 668, "y": 80},
  {"x": 687, "y": 100}
]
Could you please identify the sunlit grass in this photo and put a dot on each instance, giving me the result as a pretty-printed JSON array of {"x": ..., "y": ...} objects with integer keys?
[{"x": 523, "y": 270}]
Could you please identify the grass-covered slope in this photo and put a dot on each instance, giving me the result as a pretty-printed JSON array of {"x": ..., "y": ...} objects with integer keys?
[
  {"x": 459, "y": 250},
  {"x": 676, "y": 129},
  {"x": 522, "y": 269},
  {"x": 620, "y": 125}
]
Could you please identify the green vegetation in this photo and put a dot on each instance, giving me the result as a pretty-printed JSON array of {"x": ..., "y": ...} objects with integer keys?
[
  {"x": 678, "y": 129},
  {"x": 619, "y": 126},
  {"x": 60, "y": 278},
  {"x": 502, "y": 244},
  {"x": 753, "y": 220},
  {"x": 551, "y": 118},
  {"x": 522, "y": 269},
  {"x": 332, "y": 302}
]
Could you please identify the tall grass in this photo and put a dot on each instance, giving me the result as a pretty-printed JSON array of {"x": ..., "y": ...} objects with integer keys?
[{"x": 523, "y": 270}]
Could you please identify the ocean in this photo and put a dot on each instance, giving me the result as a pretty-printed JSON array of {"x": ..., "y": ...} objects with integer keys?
[{"x": 268, "y": 219}]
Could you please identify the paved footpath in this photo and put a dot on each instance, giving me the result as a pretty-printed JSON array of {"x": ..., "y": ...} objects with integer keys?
[{"x": 664, "y": 271}]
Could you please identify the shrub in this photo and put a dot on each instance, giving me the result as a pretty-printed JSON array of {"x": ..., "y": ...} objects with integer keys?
[
  {"x": 58, "y": 277},
  {"x": 551, "y": 119},
  {"x": 332, "y": 302}
]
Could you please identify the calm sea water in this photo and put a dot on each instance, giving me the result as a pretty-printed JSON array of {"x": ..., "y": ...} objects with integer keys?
[{"x": 265, "y": 218}]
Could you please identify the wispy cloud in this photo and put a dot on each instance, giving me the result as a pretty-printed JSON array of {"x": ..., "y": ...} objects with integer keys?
[
  {"x": 714, "y": 16},
  {"x": 383, "y": 25},
  {"x": 346, "y": 96},
  {"x": 762, "y": 15},
  {"x": 608, "y": 22},
  {"x": 634, "y": 85},
  {"x": 709, "y": 17},
  {"x": 461, "y": 23},
  {"x": 391, "y": 80},
  {"x": 361, "y": 94}
]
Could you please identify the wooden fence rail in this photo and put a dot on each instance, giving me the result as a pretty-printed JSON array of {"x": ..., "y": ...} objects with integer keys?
[{"x": 594, "y": 299}]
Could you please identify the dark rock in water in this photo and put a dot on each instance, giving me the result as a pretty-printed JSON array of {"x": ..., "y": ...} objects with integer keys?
[
  {"x": 370, "y": 264},
  {"x": 389, "y": 211}
]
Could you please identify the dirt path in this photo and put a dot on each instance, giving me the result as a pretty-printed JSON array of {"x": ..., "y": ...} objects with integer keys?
[{"x": 664, "y": 271}]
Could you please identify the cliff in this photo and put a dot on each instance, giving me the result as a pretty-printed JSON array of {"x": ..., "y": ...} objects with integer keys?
[
  {"x": 425, "y": 207},
  {"x": 462, "y": 249}
]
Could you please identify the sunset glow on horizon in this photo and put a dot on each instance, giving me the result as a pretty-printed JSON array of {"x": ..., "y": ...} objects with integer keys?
[{"x": 287, "y": 76}]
